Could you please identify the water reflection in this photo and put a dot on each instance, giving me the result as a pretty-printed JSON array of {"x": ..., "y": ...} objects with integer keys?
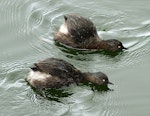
[
  {"x": 58, "y": 94},
  {"x": 98, "y": 88},
  {"x": 24, "y": 22},
  {"x": 75, "y": 51},
  {"x": 52, "y": 94}
]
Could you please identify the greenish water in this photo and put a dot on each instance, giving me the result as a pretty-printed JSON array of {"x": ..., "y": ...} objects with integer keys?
[{"x": 26, "y": 36}]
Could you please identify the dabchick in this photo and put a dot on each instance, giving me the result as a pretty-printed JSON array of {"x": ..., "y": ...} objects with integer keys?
[
  {"x": 79, "y": 32},
  {"x": 56, "y": 73}
]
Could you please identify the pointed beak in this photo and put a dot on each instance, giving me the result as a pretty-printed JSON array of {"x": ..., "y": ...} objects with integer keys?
[
  {"x": 110, "y": 83},
  {"x": 124, "y": 48}
]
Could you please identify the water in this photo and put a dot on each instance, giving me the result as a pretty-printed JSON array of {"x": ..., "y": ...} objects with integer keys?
[{"x": 26, "y": 36}]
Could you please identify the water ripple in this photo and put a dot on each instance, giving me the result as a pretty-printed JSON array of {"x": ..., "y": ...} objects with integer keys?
[{"x": 27, "y": 29}]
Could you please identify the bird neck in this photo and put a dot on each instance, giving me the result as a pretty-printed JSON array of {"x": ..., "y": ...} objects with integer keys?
[
  {"x": 99, "y": 44},
  {"x": 87, "y": 77}
]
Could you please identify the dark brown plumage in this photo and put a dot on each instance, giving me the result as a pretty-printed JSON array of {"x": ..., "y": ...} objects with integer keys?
[
  {"x": 56, "y": 73},
  {"x": 80, "y": 32}
]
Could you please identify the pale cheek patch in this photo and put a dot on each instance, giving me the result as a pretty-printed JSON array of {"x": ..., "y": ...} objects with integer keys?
[{"x": 63, "y": 29}]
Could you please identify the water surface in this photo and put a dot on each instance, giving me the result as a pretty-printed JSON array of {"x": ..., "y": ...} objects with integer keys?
[{"x": 26, "y": 36}]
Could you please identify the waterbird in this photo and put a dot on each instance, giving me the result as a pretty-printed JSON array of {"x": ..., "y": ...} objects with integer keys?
[
  {"x": 79, "y": 32},
  {"x": 57, "y": 73}
]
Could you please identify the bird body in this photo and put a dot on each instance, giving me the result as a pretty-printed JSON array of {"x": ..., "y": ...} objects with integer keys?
[{"x": 56, "y": 73}]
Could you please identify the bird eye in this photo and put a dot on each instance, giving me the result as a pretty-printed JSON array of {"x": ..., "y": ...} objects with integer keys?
[
  {"x": 119, "y": 46},
  {"x": 103, "y": 80}
]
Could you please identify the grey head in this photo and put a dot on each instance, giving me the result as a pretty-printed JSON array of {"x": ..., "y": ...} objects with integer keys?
[{"x": 112, "y": 45}]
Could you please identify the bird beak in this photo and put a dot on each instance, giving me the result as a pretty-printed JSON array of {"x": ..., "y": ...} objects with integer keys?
[
  {"x": 124, "y": 48},
  {"x": 110, "y": 83}
]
